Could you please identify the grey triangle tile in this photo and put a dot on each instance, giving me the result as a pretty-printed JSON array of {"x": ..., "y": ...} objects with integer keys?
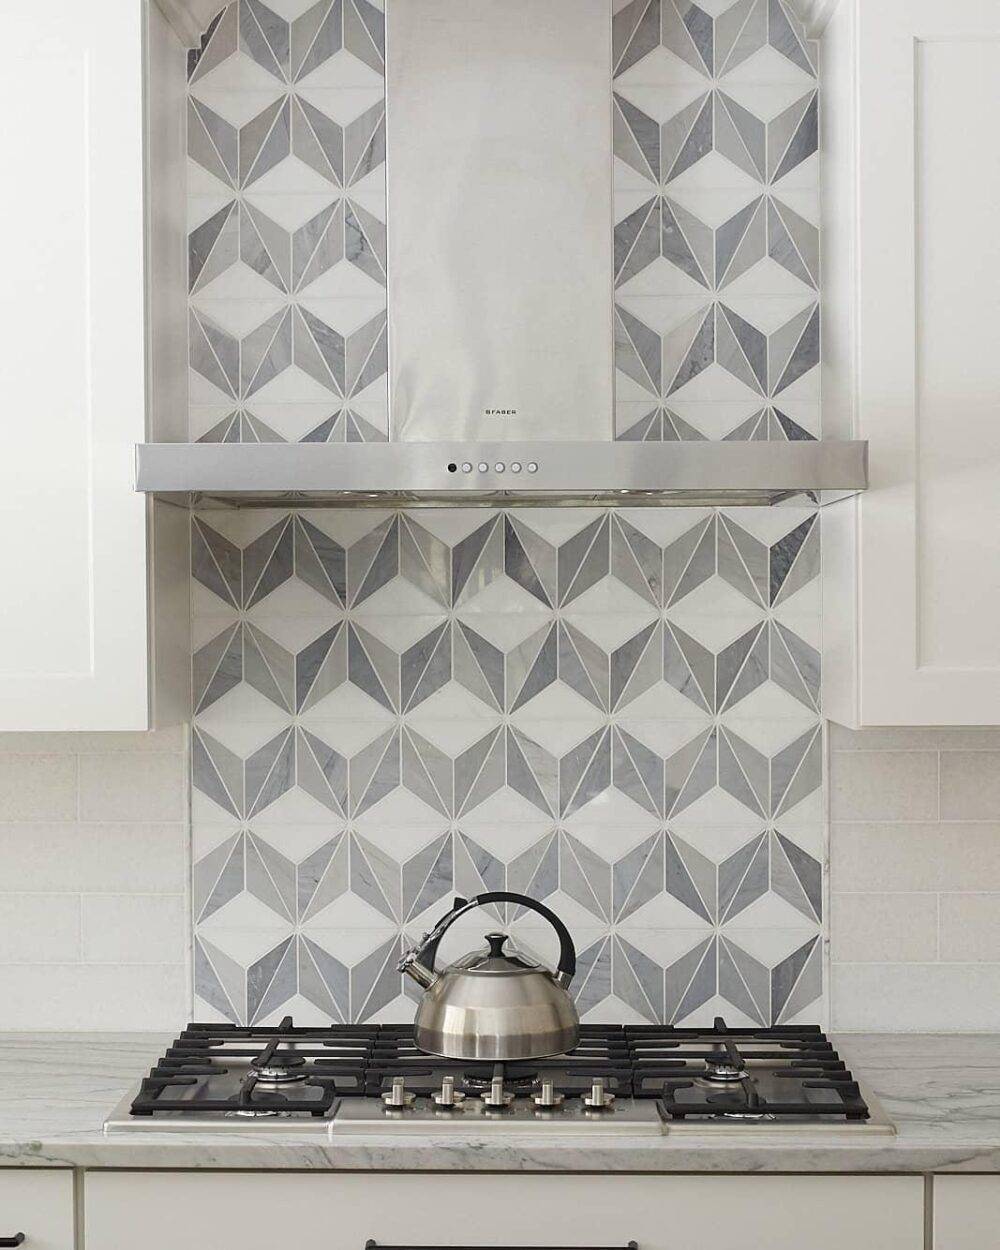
[
  {"x": 784, "y": 157},
  {"x": 743, "y": 561},
  {"x": 218, "y": 877},
  {"x": 318, "y": 245},
  {"x": 321, "y": 771},
  {"x": 217, "y": 667},
  {"x": 480, "y": 771},
  {"x": 319, "y": 351},
  {"x": 217, "y": 44},
  {"x": 214, "y": 354},
  {"x": 635, "y": 33},
  {"x": 330, "y": 430},
  {"x": 532, "y": 772},
  {"x": 795, "y": 666},
  {"x": 265, "y": 247},
  {"x": 224, "y": 431},
  {"x": 789, "y": 429},
  {"x": 805, "y": 354},
  {"x": 217, "y": 980},
  {"x": 636, "y": 560},
  {"x": 807, "y": 987},
  {"x": 783, "y": 251},
  {"x": 674, "y": 244},
  {"x": 257, "y": 431},
  {"x": 374, "y": 772},
  {"x": 592, "y": 984},
  {"x": 478, "y": 666},
  {"x": 265, "y": 141},
  {"x": 637, "y": 772},
  {"x": 743, "y": 772},
  {"x": 583, "y": 665},
  {"x": 583, "y": 560},
  {"x": 263, "y": 35},
  {"x": 268, "y": 668},
  {"x": 535, "y": 871},
  {"x": 315, "y": 36},
  {"x": 269, "y": 772},
  {"x": 541, "y": 558},
  {"x": 693, "y": 145},
  {"x": 532, "y": 666},
  {"x": 265, "y": 352},
  {"x": 584, "y": 876},
  {"x": 213, "y": 246},
  {"x": 375, "y": 981},
  {"x": 688, "y": 667},
  {"x": 364, "y": 144},
  {"x": 739, "y": 32},
  {"x": 782, "y": 342},
  {"x": 796, "y": 877},
  {"x": 796, "y": 772},
  {"x": 271, "y": 980},
  {"x": 427, "y": 772},
  {"x": 375, "y": 877},
  {"x": 686, "y": 29},
  {"x": 367, "y": 354},
  {"x": 690, "y": 772},
  {"x": 428, "y": 877},
  {"x": 736, "y": 979},
  {"x": 691, "y": 982},
  {"x": 637, "y": 350},
  {"x": 750, "y": 247},
  {"x": 637, "y": 877},
  {"x": 212, "y": 142},
  {"x": 477, "y": 560},
  {"x": 785, "y": 554},
  {"x": 785, "y": 975},
  {"x": 689, "y": 877},
  {"x": 635, "y": 665},
  {"x": 268, "y": 562},
  {"x": 271, "y": 877},
  {"x": 313, "y": 986},
  {"x": 646, "y": 430},
  {"x": 742, "y": 349},
  {"x": 637, "y": 980},
  {"x": 740, "y": 136},
  {"x": 518, "y": 566},
  {"x": 373, "y": 667},
  {"x": 425, "y": 667},
  {"x": 217, "y": 772},
  {"x": 320, "y": 667},
  {"x": 743, "y": 878},
  {"x": 782, "y": 37},
  {"x": 742, "y": 667},
  {"x": 364, "y": 32},
  {"x": 585, "y": 772},
  {"x": 803, "y": 569},
  {"x": 373, "y": 560},
  {"x": 627, "y": 147},
  {"x": 318, "y": 141},
  {"x": 753, "y": 430},
  {"x": 320, "y": 562},
  {"x": 322, "y": 877},
  {"x": 688, "y": 561},
  {"x": 476, "y": 869},
  {"x": 424, "y": 560},
  {"x": 699, "y": 353},
  {"x": 637, "y": 241},
  {"x": 365, "y": 242}
]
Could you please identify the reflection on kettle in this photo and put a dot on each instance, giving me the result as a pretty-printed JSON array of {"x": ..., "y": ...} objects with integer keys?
[{"x": 494, "y": 1003}]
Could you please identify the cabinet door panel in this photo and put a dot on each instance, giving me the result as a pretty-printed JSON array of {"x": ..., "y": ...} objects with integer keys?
[
  {"x": 254, "y": 1211},
  {"x": 39, "y": 1204},
  {"x": 73, "y": 651}
]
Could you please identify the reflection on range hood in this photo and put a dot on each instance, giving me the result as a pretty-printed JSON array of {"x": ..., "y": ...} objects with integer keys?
[{"x": 500, "y": 301}]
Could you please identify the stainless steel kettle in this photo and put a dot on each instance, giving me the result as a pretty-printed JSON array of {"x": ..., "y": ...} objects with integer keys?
[{"x": 494, "y": 1004}]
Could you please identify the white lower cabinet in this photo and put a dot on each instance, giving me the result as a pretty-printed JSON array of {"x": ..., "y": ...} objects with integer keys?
[
  {"x": 308, "y": 1211},
  {"x": 966, "y": 1212},
  {"x": 39, "y": 1204}
]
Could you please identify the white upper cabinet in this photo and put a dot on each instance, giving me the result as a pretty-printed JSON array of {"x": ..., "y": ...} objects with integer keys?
[
  {"x": 912, "y": 359},
  {"x": 82, "y": 354}
]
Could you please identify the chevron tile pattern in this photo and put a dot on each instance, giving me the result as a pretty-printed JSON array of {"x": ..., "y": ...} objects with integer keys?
[
  {"x": 615, "y": 712},
  {"x": 287, "y": 239}
]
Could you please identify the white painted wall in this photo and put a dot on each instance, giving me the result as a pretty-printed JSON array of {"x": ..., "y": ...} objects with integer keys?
[{"x": 94, "y": 910}]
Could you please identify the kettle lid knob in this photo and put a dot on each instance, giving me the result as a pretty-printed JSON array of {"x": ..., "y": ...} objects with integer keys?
[{"x": 496, "y": 941}]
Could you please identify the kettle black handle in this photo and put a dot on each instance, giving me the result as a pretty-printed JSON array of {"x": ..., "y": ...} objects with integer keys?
[{"x": 566, "y": 967}]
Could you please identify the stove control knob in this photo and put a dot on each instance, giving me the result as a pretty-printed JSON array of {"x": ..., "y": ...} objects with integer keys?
[
  {"x": 546, "y": 1098},
  {"x": 447, "y": 1096},
  {"x": 598, "y": 1099},
  {"x": 399, "y": 1096},
  {"x": 498, "y": 1099}
]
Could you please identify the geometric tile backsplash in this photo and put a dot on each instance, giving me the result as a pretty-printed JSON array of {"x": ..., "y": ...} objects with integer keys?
[{"x": 617, "y": 712}]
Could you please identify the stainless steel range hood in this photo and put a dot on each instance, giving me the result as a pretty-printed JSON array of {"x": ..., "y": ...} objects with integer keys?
[{"x": 501, "y": 299}]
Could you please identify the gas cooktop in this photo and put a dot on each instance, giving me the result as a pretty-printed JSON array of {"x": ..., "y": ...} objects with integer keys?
[{"x": 620, "y": 1079}]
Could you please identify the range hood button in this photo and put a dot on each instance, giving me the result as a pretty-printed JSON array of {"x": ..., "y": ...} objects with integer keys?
[
  {"x": 515, "y": 467},
  {"x": 499, "y": 466},
  {"x": 483, "y": 467},
  {"x": 532, "y": 467},
  {"x": 466, "y": 467}
]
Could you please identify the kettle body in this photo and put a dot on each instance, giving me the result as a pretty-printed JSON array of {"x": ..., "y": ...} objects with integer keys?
[{"x": 495, "y": 1004}]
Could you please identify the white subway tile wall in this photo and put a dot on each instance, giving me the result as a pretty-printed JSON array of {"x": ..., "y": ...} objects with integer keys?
[
  {"x": 914, "y": 878},
  {"x": 94, "y": 906}
]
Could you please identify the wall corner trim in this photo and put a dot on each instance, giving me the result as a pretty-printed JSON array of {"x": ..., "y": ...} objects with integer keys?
[
  {"x": 814, "y": 14},
  {"x": 189, "y": 18}
]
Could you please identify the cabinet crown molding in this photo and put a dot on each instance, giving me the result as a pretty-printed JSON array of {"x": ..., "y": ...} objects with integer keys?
[
  {"x": 190, "y": 18},
  {"x": 813, "y": 14}
]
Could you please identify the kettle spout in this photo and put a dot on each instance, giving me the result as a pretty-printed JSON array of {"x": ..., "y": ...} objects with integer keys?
[{"x": 414, "y": 967}]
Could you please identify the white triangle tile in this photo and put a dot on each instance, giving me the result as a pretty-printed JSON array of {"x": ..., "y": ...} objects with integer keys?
[
  {"x": 400, "y": 1009},
  {"x": 661, "y": 312},
  {"x": 204, "y": 1011},
  {"x": 243, "y": 720},
  {"x": 718, "y": 842},
  {"x": 612, "y": 1010},
  {"x": 242, "y": 525},
  {"x": 770, "y": 67},
  {"x": 609, "y": 613},
  {"x": 205, "y": 809},
  {"x": 238, "y": 89},
  {"x": 401, "y": 825},
  {"x": 627, "y": 179},
  {"x": 665, "y": 733},
  {"x": 802, "y": 614},
  {"x": 209, "y": 618},
  {"x": 767, "y": 277},
  {"x": 809, "y": 835},
  {"x": 297, "y": 841},
  {"x": 206, "y": 194},
  {"x": 715, "y": 614},
  {"x": 804, "y": 177},
  {"x": 663, "y": 946},
  {"x": 504, "y": 613},
  {"x": 807, "y": 387},
  {"x": 626, "y": 200},
  {"x": 805, "y": 411},
  {"x": 718, "y": 1006},
  {"x": 771, "y": 912},
  {"x": 803, "y": 200},
  {"x": 711, "y": 173},
  {"x": 714, "y": 418},
  {"x": 239, "y": 316},
  {"x": 558, "y": 525},
  {"x": 202, "y": 417},
  {"x": 770, "y": 945},
  {"x": 666, "y": 913},
  {"x": 369, "y": 192},
  {"x": 451, "y": 525},
  {"x": 399, "y": 613},
  {"x": 663, "y": 525},
  {"x": 342, "y": 282},
  {"x": 306, "y": 1014},
  {"x": 714, "y": 204},
  {"x": 340, "y": 72},
  {"x": 347, "y": 525},
  {"x": 348, "y": 913},
  {"x": 244, "y": 928},
  {"x": 296, "y": 809},
  {"x": 612, "y": 824},
  {"x": 292, "y": 207},
  {"x": 210, "y": 834},
  {"x": 770, "y": 524},
  {"x": 765, "y": 98},
  {"x": 558, "y": 718},
  {"x": 348, "y": 721},
  {"x": 810, "y": 809},
  {"x": 714, "y": 808},
  {"x": 350, "y": 943},
  {"x": 715, "y": 384},
  {"x": 662, "y": 68},
  {"x": 663, "y": 100},
  {"x": 201, "y": 391},
  {"x": 294, "y": 386},
  {"x": 453, "y": 719},
  {"x": 506, "y": 815},
  {"x": 662, "y": 279},
  {"x": 291, "y": 420}
]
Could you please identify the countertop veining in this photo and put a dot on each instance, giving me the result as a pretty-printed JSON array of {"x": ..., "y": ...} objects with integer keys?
[{"x": 941, "y": 1091}]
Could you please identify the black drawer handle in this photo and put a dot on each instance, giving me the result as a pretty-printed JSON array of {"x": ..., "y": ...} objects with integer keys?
[
  {"x": 372, "y": 1244},
  {"x": 12, "y": 1241}
]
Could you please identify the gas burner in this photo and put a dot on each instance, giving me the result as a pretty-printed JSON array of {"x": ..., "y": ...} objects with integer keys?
[
  {"x": 725, "y": 1064},
  {"x": 279, "y": 1067}
]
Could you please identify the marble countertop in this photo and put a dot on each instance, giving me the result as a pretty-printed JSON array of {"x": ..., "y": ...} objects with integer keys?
[{"x": 941, "y": 1091}]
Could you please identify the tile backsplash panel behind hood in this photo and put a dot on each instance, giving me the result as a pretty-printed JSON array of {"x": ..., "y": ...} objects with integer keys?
[{"x": 616, "y": 713}]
